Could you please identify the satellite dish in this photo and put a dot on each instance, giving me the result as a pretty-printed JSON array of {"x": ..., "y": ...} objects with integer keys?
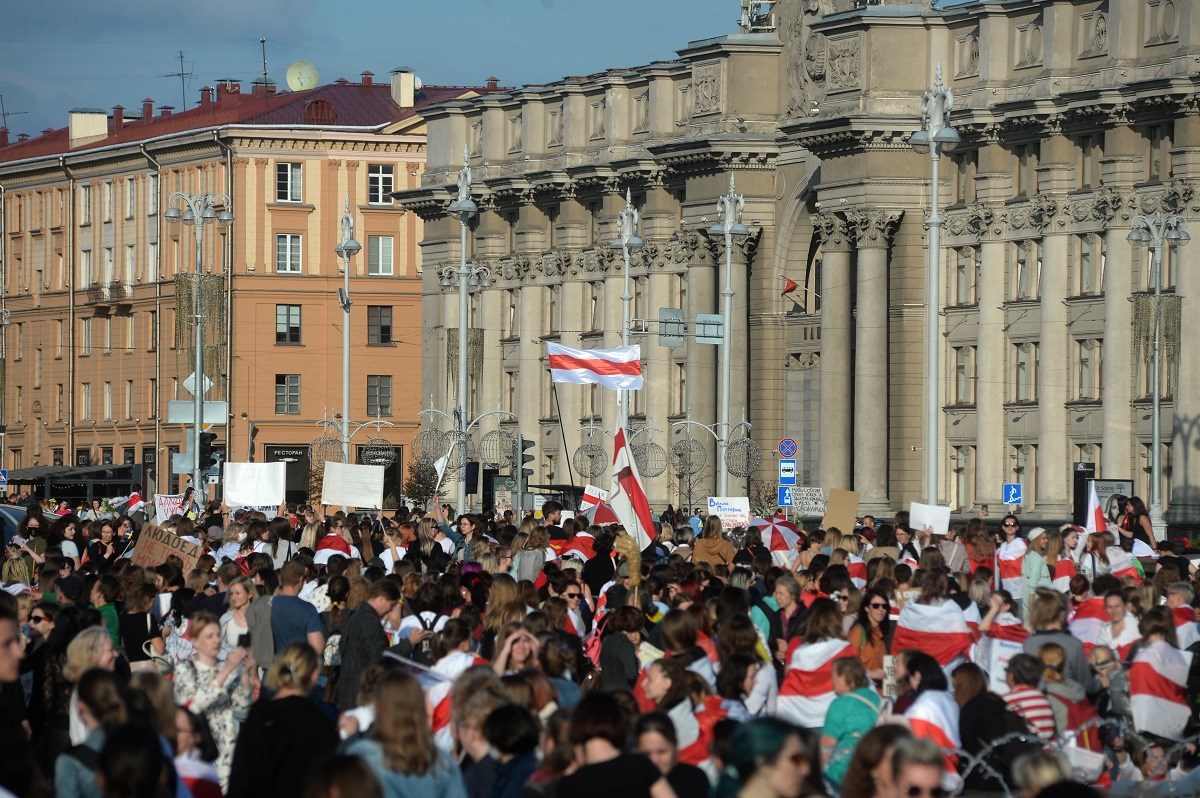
[
  {"x": 302, "y": 75},
  {"x": 417, "y": 83}
]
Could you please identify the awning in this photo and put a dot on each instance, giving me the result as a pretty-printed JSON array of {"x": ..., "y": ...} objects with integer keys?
[{"x": 26, "y": 476}]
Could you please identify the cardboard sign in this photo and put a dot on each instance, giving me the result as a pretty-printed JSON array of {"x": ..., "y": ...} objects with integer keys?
[
  {"x": 808, "y": 501},
  {"x": 167, "y": 505},
  {"x": 352, "y": 485},
  {"x": 932, "y": 515},
  {"x": 154, "y": 545},
  {"x": 734, "y": 511},
  {"x": 255, "y": 483},
  {"x": 840, "y": 510}
]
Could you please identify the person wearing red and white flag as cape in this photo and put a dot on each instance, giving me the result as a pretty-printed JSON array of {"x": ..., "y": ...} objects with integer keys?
[
  {"x": 807, "y": 689},
  {"x": 1121, "y": 632},
  {"x": 933, "y": 623},
  {"x": 1158, "y": 679},
  {"x": 1088, "y": 623},
  {"x": 1179, "y": 600},
  {"x": 1010, "y": 558},
  {"x": 933, "y": 714}
]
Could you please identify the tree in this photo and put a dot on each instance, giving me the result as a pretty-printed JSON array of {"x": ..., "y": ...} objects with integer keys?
[
  {"x": 421, "y": 483},
  {"x": 763, "y": 497}
]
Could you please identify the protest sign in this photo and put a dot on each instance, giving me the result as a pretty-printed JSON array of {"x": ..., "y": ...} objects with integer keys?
[
  {"x": 809, "y": 501},
  {"x": 840, "y": 510},
  {"x": 734, "y": 511},
  {"x": 154, "y": 545},
  {"x": 167, "y": 505},
  {"x": 255, "y": 483},
  {"x": 350, "y": 485},
  {"x": 931, "y": 515},
  {"x": 592, "y": 496},
  {"x": 995, "y": 655}
]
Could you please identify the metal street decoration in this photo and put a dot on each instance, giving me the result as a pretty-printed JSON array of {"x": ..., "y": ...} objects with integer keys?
[
  {"x": 496, "y": 449},
  {"x": 688, "y": 457},
  {"x": 590, "y": 460}
]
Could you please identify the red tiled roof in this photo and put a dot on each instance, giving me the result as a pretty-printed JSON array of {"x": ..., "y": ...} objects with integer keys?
[{"x": 352, "y": 105}]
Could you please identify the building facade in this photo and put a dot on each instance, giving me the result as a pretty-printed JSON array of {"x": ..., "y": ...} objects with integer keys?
[
  {"x": 1075, "y": 119},
  {"x": 98, "y": 284}
]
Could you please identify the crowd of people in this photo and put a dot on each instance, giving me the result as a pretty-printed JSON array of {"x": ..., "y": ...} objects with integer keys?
[{"x": 416, "y": 654}]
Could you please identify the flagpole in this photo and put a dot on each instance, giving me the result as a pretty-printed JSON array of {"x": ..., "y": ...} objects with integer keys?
[
  {"x": 562, "y": 429},
  {"x": 629, "y": 240}
]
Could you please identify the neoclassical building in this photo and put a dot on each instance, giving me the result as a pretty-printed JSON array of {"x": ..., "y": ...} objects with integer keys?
[{"x": 1075, "y": 118}]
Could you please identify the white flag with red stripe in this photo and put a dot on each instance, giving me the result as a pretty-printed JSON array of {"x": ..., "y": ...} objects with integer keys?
[
  {"x": 619, "y": 368},
  {"x": 1010, "y": 557},
  {"x": 807, "y": 689},
  {"x": 934, "y": 716},
  {"x": 1007, "y": 626},
  {"x": 1121, "y": 563},
  {"x": 627, "y": 498},
  {"x": 1123, "y": 643},
  {"x": 1186, "y": 630},
  {"x": 1089, "y": 622},
  {"x": 449, "y": 667},
  {"x": 940, "y": 630},
  {"x": 1094, "y": 521},
  {"x": 1158, "y": 689},
  {"x": 858, "y": 571},
  {"x": 1064, "y": 571}
]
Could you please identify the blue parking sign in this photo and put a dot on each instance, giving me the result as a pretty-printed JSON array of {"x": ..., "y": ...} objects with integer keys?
[
  {"x": 785, "y": 496},
  {"x": 1012, "y": 493}
]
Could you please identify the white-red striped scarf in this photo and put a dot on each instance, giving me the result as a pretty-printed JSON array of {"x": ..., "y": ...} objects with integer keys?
[
  {"x": 1010, "y": 557},
  {"x": 1007, "y": 626},
  {"x": 1158, "y": 689},
  {"x": 858, "y": 571},
  {"x": 1123, "y": 644},
  {"x": 944, "y": 631},
  {"x": 1121, "y": 563},
  {"x": 1186, "y": 630},
  {"x": 1089, "y": 622},
  {"x": 807, "y": 689},
  {"x": 1064, "y": 570}
]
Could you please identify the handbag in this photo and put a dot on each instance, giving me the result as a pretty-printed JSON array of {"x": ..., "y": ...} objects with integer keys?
[{"x": 161, "y": 662}]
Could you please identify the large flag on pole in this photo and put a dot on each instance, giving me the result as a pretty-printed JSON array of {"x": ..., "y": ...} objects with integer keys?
[
  {"x": 1095, "y": 520},
  {"x": 627, "y": 498},
  {"x": 619, "y": 369}
]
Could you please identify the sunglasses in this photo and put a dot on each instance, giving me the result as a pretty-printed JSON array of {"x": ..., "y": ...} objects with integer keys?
[
  {"x": 38, "y": 619},
  {"x": 877, "y": 606},
  {"x": 573, "y": 595},
  {"x": 1009, "y": 524},
  {"x": 916, "y": 791}
]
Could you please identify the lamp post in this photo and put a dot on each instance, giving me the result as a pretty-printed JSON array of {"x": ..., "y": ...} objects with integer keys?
[
  {"x": 934, "y": 137},
  {"x": 198, "y": 210},
  {"x": 466, "y": 277},
  {"x": 1158, "y": 230},
  {"x": 729, "y": 214},
  {"x": 627, "y": 242},
  {"x": 347, "y": 248}
]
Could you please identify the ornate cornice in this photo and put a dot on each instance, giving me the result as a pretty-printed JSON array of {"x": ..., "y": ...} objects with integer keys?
[
  {"x": 975, "y": 221},
  {"x": 1101, "y": 206},
  {"x": 1173, "y": 197}
]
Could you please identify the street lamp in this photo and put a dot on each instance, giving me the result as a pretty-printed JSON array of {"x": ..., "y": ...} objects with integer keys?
[
  {"x": 729, "y": 214},
  {"x": 197, "y": 210},
  {"x": 627, "y": 242},
  {"x": 466, "y": 277},
  {"x": 347, "y": 248},
  {"x": 1158, "y": 230},
  {"x": 934, "y": 137}
]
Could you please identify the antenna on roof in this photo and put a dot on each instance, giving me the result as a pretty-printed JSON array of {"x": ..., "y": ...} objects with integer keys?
[
  {"x": 263, "y": 42},
  {"x": 4, "y": 114},
  {"x": 182, "y": 79}
]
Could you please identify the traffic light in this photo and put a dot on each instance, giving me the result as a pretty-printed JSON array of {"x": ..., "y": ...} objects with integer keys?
[
  {"x": 208, "y": 458},
  {"x": 524, "y": 444}
]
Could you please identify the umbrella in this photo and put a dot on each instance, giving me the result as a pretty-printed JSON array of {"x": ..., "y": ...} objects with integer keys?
[
  {"x": 601, "y": 514},
  {"x": 778, "y": 534}
]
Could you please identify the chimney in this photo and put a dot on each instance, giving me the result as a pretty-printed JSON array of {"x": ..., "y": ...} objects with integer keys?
[
  {"x": 368, "y": 78},
  {"x": 206, "y": 97},
  {"x": 403, "y": 86},
  {"x": 22, "y": 137},
  {"x": 147, "y": 109},
  {"x": 86, "y": 124},
  {"x": 165, "y": 110},
  {"x": 227, "y": 87},
  {"x": 118, "y": 118},
  {"x": 3, "y": 137},
  {"x": 493, "y": 83},
  {"x": 259, "y": 87}
]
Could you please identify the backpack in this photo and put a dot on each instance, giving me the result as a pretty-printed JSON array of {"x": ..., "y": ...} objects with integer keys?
[{"x": 423, "y": 651}]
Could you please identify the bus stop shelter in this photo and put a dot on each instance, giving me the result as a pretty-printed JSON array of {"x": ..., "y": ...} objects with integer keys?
[{"x": 76, "y": 484}]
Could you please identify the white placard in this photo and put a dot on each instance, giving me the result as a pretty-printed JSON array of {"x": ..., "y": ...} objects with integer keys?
[
  {"x": 923, "y": 515},
  {"x": 167, "y": 505},
  {"x": 734, "y": 511},
  {"x": 592, "y": 496},
  {"x": 351, "y": 485},
  {"x": 255, "y": 483},
  {"x": 995, "y": 661},
  {"x": 808, "y": 501}
]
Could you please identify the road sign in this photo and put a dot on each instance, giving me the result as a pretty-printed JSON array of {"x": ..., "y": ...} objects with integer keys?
[
  {"x": 785, "y": 496},
  {"x": 672, "y": 324},
  {"x": 1012, "y": 493},
  {"x": 710, "y": 328},
  {"x": 787, "y": 472},
  {"x": 787, "y": 447},
  {"x": 183, "y": 411},
  {"x": 189, "y": 384},
  {"x": 3, "y": 477},
  {"x": 809, "y": 501}
]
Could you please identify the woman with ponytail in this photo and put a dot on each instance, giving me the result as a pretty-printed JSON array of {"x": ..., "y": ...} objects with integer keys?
[
  {"x": 102, "y": 709},
  {"x": 770, "y": 758},
  {"x": 285, "y": 736}
]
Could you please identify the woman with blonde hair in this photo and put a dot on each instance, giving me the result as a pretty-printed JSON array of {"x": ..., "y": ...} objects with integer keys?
[
  {"x": 91, "y": 648},
  {"x": 241, "y": 594},
  {"x": 310, "y": 535},
  {"x": 286, "y": 736},
  {"x": 400, "y": 749},
  {"x": 529, "y": 555}
]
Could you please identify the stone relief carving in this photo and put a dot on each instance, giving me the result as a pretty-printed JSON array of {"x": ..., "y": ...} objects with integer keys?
[
  {"x": 975, "y": 220},
  {"x": 1029, "y": 43},
  {"x": 706, "y": 94},
  {"x": 872, "y": 227},
  {"x": 807, "y": 54},
  {"x": 833, "y": 229},
  {"x": 1174, "y": 198},
  {"x": 1102, "y": 206},
  {"x": 1094, "y": 32},
  {"x": 554, "y": 135},
  {"x": 968, "y": 55},
  {"x": 844, "y": 60},
  {"x": 1036, "y": 216}
]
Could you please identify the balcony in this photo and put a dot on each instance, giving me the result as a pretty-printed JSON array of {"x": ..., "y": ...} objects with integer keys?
[{"x": 104, "y": 295}]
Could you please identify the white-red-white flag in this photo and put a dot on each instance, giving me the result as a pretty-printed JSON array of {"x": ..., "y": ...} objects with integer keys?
[
  {"x": 934, "y": 716},
  {"x": 1089, "y": 623},
  {"x": 627, "y": 497},
  {"x": 1158, "y": 689},
  {"x": 807, "y": 689},
  {"x": 1094, "y": 521},
  {"x": 619, "y": 368},
  {"x": 1010, "y": 557},
  {"x": 941, "y": 630}
]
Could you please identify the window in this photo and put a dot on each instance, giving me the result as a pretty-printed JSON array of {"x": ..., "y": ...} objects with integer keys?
[
  {"x": 379, "y": 324},
  {"x": 288, "y": 182},
  {"x": 593, "y": 310},
  {"x": 19, "y": 399},
  {"x": 85, "y": 268},
  {"x": 1158, "y": 157},
  {"x": 967, "y": 165},
  {"x": 379, "y": 255},
  {"x": 107, "y": 400},
  {"x": 509, "y": 388},
  {"x": 287, "y": 324},
  {"x": 130, "y": 264},
  {"x": 1090, "y": 153},
  {"x": 1024, "y": 374},
  {"x": 130, "y": 332},
  {"x": 287, "y": 253},
  {"x": 512, "y": 313},
  {"x": 964, "y": 276},
  {"x": 37, "y": 367},
  {"x": 152, "y": 194},
  {"x": 379, "y": 395},
  {"x": 1090, "y": 265},
  {"x": 130, "y": 198},
  {"x": 128, "y": 398},
  {"x": 287, "y": 394},
  {"x": 380, "y": 177},
  {"x": 20, "y": 341},
  {"x": 85, "y": 401},
  {"x": 964, "y": 376},
  {"x": 108, "y": 335},
  {"x": 152, "y": 397},
  {"x": 152, "y": 262},
  {"x": 1027, "y": 271},
  {"x": 962, "y": 468},
  {"x": 553, "y": 310},
  {"x": 1027, "y": 161},
  {"x": 58, "y": 402},
  {"x": 85, "y": 333},
  {"x": 85, "y": 204},
  {"x": 106, "y": 198},
  {"x": 677, "y": 390}
]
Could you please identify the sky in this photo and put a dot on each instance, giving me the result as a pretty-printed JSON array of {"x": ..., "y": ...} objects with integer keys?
[{"x": 56, "y": 55}]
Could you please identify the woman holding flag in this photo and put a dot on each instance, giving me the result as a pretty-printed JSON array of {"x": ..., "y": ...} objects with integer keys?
[
  {"x": 807, "y": 689},
  {"x": 1010, "y": 558}
]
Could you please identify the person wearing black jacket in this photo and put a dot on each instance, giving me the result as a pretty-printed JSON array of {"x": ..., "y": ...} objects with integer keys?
[
  {"x": 601, "y": 569},
  {"x": 984, "y": 718},
  {"x": 363, "y": 639}
]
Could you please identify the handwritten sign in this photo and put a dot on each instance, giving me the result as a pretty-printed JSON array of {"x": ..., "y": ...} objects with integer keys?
[
  {"x": 734, "y": 511},
  {"x": 155, "y": 545},
  {"x": 167, "y": 505}
]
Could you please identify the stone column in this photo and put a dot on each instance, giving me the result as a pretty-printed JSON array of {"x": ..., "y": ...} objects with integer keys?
[
  {"x": 1116, "y": 442},
  {"x": 873, "y": 229},
  {"x": 990, "y": 457},
  {"x": 836, "y": 363},
  {"x": 701, "y": 358},
  {"x": 1053, "y": 496}
]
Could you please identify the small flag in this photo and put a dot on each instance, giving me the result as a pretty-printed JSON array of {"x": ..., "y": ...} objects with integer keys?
[
  {"x": 1095, "y": 520},
  {"x": 618, "y": 369},
  {"x": 790, "y": 285},
  {"x": 627, "y": 497}
]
